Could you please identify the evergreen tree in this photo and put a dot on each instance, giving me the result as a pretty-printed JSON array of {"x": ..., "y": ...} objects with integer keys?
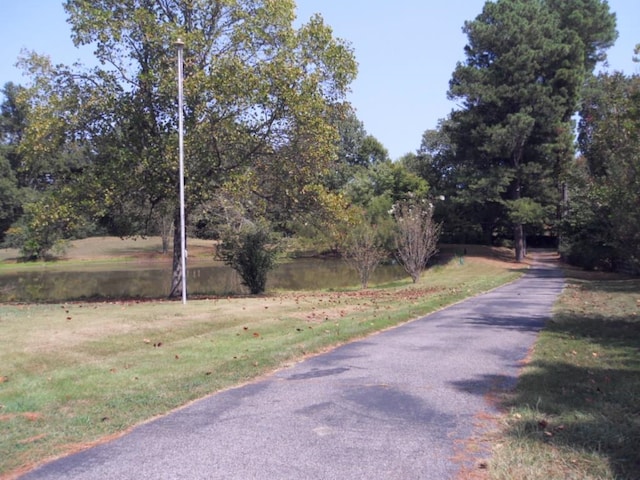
[{"x": 519, "y": 86}]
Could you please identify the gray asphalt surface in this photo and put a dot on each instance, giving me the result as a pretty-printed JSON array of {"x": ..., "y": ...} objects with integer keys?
[{"x": 396, "y": 405}]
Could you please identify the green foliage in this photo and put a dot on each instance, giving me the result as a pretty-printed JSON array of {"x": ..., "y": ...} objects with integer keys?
[
  {"x": 12, "y": 126},
  {"x": 386, "y": 179},
  {"x": 519, "y": 86},
  {"x": 10, "y": 197},
  {"x": 43, "y": 228},
  {"x": 258, "y": 94},
  {"x": 601, "y": 226},
  {"x": 377, "y": 188},
  {"x": 251, "y": 250},
  {"x": 372, "y": 152},
  {"x": 356, "y": 148},
  {"x": 525, "y": 211}
]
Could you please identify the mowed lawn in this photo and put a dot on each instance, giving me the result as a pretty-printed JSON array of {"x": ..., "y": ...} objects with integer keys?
[
  {"x": 72, "y": 374},
  {"x": 576, "y": 411}
]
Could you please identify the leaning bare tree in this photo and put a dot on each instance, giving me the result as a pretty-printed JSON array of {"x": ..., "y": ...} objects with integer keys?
[{"x": 417, "y": 235}]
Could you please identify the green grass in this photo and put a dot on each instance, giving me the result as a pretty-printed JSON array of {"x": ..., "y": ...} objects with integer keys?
[
  {"x": 101, "y": 250},
  {"x": 576, "y": 411},
  {"x": 74, "y": 373}
]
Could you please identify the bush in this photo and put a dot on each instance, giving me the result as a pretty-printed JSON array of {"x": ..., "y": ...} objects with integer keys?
[
  {"x": 589, "y": 256},
  {"x": 251, "y": 250}
]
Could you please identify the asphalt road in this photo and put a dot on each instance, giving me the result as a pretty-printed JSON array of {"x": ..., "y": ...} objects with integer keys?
[{"x": 396, "y": 405}]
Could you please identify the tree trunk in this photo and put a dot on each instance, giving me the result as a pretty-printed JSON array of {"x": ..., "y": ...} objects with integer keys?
[
  {"x": 166, "y": 222},
  {"x": 176, "y": 273},
  {"x": 518, "y": 228},
  {"x": 487, "y": 234},
  {"x": 518, "y": 241}
]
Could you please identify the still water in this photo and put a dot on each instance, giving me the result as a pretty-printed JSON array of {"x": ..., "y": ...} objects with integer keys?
[{"x": 53, "y": 284}]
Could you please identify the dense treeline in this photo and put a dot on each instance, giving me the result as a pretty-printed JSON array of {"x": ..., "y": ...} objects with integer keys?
[
  {"x": 506, "y": 163},
  {"x": 274, "y": 150}
]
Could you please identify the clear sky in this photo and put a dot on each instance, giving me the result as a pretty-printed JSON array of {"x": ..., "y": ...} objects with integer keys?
[{"x": 406, "y": 50}]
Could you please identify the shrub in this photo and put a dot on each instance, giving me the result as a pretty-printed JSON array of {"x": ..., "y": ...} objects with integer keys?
[{"x": 251, "y": 250}]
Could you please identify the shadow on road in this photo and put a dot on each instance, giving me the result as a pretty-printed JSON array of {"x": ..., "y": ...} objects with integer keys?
[{"x": 580, "y": 391}]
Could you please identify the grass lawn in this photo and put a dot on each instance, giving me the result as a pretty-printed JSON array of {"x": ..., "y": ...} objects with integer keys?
[
  {"x": 72, "y": 374},
  {"x": 576, "y": 411},
  {"x": 109, "y": 249}
]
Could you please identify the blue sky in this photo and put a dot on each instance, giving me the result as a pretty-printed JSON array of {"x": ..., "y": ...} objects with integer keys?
[{"x": 406, "y": 50}]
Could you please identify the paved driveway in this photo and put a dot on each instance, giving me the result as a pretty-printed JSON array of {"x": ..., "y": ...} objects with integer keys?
[{"x": 396, "y": 405}]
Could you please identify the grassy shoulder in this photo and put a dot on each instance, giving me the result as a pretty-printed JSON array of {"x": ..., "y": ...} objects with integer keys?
[
  {"x": 74, "y": 373},
  {"x": 575, "y": 413}
]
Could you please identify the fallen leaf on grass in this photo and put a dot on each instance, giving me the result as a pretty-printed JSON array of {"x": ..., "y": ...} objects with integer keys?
[
  {"x": 32, "y": 416},
  {"x": 32, "y": 439}
]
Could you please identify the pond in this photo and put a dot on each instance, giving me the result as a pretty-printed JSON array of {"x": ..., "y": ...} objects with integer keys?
[{"x": 57, "y": 283}]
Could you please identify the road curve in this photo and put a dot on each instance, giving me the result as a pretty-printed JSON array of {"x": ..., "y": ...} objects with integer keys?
[{"x": 396, "y": 405}]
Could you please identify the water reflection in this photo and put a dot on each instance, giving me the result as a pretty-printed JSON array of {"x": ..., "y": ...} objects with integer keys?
[{"x": 151, "y": 281}]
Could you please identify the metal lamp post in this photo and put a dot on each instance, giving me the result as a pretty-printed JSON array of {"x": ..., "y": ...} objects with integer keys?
[{"x": 180, "y": 46}]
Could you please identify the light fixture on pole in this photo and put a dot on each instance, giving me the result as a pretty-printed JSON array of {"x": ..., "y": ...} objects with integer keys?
[{"x": 180, "y": 46}]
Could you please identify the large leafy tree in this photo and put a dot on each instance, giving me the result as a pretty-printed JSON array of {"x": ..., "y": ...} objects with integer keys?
[
  {"x": 519, "y": 86},
  {"x": 12, "y": 124},
  {"x": 376, "y": 189},
  {"x": 258, "y": 97},
  {"x": 602, "y": 224},
  {"x": 464, "y": 214}
]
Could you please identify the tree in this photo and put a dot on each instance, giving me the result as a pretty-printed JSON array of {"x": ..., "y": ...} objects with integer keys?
[
  {"x": 466, "y": 215},
  {"x": 372, "y": 152},
  {"x": 10, "y": 197},
  {"x": 526, "y": 62},
  {"x": 377, "y": 188},
  {"x": 417, "y": 236},
  {"x": 250, "y": 249},
  {"x": 363, "y": 250},
  {"x": 257, "y": 93},
  {"x": 357, "y": 150},
  {"x": 12, "y": 125},
  {"x": 13, "y": 119},
  {"x": 602, "y": 222},
  {"x": 351, "y": 136}
]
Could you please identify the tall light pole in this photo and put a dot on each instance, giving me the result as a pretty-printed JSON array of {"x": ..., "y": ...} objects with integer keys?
[{"x": 180, "y": 45}]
